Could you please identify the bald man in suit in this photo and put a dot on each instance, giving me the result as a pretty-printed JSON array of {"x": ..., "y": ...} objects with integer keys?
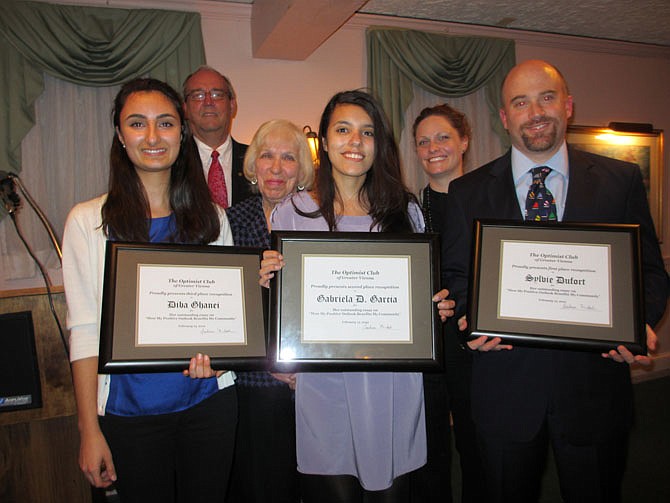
[{"x": 524, "y": 399}]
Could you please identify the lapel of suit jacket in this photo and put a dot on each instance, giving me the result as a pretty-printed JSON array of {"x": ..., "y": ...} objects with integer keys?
[
  {"x": 501, "y": 191},
  {"x": 240, "y": 183},
  {"x": 580, "y": 186}
]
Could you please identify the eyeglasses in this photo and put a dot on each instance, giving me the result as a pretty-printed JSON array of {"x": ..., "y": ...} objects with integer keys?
[{"x": 214, "y": 94}]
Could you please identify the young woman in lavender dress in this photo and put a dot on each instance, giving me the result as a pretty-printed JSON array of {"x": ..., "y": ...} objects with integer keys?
[{"x": 359, "y": 434}]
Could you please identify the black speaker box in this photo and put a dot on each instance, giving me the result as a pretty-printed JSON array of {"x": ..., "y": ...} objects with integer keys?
[{"x": 19, "y": 374}]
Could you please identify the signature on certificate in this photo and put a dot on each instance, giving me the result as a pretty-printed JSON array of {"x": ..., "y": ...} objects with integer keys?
[
  {"x": 207, "y": 331},
  {"x": 580, "y": 307}
]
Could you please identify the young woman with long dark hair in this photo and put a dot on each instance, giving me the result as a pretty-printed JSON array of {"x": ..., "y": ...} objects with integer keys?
[
  {"x": 165, "y": 436},
  {"x": 359, "y": 434}
]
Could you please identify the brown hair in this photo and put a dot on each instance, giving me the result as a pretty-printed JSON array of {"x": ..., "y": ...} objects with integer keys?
[{"x": 457, "y": 119}]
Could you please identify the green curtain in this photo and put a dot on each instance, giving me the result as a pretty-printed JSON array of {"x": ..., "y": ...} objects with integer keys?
[
  {"x": 89, "y": 46},
  {"x": 442, "y": 64}
]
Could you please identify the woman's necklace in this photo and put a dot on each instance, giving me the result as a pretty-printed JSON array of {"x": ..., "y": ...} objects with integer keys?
[
  {"x": 352, "y": 205},
  {"x": 427, "y": 214}
]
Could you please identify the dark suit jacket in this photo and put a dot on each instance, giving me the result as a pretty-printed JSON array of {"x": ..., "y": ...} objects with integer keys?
[
  {"x": 512, "y": 391},
  {"x": 241, "y": 186}
]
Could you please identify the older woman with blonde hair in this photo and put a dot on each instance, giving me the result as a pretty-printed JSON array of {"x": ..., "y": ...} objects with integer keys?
[{"x": 278, "y": 163}]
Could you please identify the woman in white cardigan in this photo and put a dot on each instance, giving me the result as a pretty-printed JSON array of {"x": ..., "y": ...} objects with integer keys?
[{"x": 163, "y": 436}]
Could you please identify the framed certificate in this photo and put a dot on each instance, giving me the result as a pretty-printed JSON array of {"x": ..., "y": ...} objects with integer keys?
[
  {"x": 571, "y": 286},
  {"x": 355, "y": 301},
  {"x": 163, "y": 303}
]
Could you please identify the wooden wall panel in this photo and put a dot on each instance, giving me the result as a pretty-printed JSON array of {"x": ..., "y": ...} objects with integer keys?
[
  {"x": 55, "y": 377},
  {"x": 39, "y": 447},
  {"x": 38, "y": 463}
]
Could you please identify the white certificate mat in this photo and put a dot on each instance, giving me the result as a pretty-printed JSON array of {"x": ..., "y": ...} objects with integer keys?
[
  {"x": 180, "y": 305},
  {"x": 555, "y": 282},
  {"x": 356, "y": 299}
]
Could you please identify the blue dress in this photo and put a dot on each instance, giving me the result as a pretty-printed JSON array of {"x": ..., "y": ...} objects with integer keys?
[
  {"x": 144, "y": 394},
  {"x": 367, "y": 424}
]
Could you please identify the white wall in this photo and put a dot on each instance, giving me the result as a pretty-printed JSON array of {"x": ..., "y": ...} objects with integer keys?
[{"x": 269, "y": 88}]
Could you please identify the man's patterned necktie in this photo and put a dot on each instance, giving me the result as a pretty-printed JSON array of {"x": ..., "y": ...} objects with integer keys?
[
  {"x": 217, "y": 181},
  {"x": 540, "y": 203}
]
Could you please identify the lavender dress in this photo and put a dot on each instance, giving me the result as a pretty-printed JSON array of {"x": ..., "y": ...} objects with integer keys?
[{"x": 367, "y": 424}]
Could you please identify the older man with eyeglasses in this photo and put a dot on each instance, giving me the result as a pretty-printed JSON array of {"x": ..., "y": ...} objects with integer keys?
[{"x": 210, "y": 105}]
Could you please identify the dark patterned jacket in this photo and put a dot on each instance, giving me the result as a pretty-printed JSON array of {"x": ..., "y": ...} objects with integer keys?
[{"x": 247, "y": 222}]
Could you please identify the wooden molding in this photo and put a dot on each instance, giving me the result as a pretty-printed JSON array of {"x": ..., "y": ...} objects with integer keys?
[{"x": 294, "y": 29}]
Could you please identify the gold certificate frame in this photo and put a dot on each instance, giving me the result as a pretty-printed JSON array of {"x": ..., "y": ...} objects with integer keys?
[
  {"x": 355, "y": 301},
  {"x": 570, "y": 286},
  {"x": 164, "y": 303}
]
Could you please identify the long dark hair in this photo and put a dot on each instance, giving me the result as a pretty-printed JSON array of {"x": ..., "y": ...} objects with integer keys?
[
  {"x": 126, "y": 212},
  {"x": 383, "y": 189}
]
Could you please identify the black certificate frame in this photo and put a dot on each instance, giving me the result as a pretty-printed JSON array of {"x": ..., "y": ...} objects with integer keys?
[
  {"x": 119, "y": 351},
  {"x": 422, "y": 353},
  {"x": 626, "y": 326}
]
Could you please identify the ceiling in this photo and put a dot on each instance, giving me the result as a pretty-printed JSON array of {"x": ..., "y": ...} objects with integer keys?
[{"x": 643, "y": 21}]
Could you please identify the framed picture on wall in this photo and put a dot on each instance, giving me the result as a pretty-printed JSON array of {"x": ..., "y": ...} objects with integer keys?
[{"x": 643, "y": 149}]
